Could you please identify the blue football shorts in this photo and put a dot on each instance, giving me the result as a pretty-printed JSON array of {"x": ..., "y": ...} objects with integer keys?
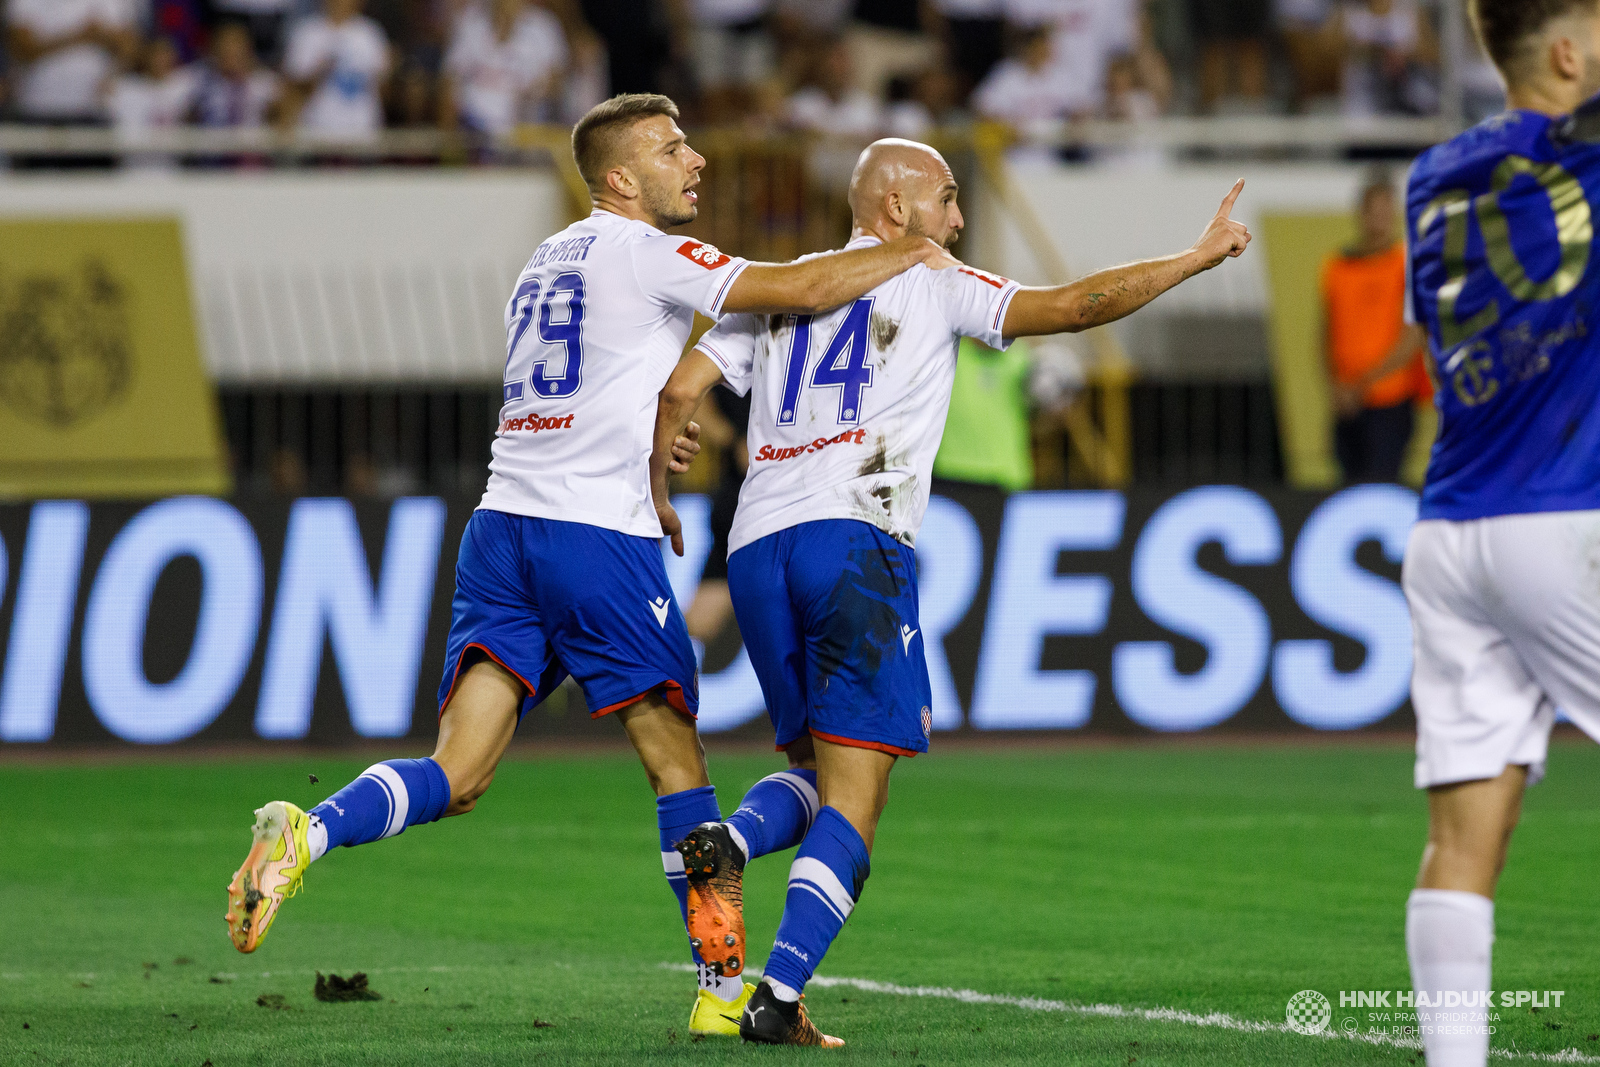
[
  {"x": 545, "y": 598},
  {"x": 828, "y": 611}
]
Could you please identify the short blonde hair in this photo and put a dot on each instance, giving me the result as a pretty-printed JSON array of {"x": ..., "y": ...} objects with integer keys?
[{"x": 598, "y": 136}]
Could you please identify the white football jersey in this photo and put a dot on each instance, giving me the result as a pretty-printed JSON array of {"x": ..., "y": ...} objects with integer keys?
[
  {"x": 598, "y": 320},
  {"x": 847, "y": 408}
]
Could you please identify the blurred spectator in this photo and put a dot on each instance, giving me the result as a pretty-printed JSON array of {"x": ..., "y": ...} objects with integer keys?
[
  {"x": 503, "y": 67},
  {"x": 1139, "y": 82},
  {"x": 1389, "y": 50},
  {"x": 160, "y": 96},
  {"x": 802, "y": 30},
  {"x": 1372, "y": 356},
  {"x": 587, "y": 81},
  {"x": 63, "y": 51},
  {"x": 832, "y": 103},
  {"x": 973, "y": 34},
  {"x": 918, "y": 104},
  {"x": 419, "y": 29},
  {"x": 183, "y": 22},
  {"x": 732, "y": 53},
  {"x": 1232, "y": 35},
  {"x": 638, "y": 43},
  {"x": 1085, "y": 36},
  {"x": 817, "y": 19},
  {"x": 888, "y": 37},
  {"x": 1025, "y": 88},
  {"x": 1482, "y": 92},
  {"x": 416, "y": 97},
  {"x": 337, "y": 64},
  {"x": 1311, "y": 38},
  {"x": 234, "y": 90},
  {"x": 267, "y": 20}
]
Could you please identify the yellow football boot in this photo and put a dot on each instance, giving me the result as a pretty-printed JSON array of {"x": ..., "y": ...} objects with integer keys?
[
  {"x": 713, "y": 1015},
  {"x": 270, "y": 875}
]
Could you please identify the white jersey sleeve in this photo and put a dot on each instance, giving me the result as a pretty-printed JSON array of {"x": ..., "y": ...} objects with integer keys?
[
  {"x": 731, "y": 344},
  {"x": 683, "y": 272},
  {"x": 974, "y": 302}
]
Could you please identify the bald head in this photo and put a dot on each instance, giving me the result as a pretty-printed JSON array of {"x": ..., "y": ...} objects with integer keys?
[{"x": 904, "y": 187}]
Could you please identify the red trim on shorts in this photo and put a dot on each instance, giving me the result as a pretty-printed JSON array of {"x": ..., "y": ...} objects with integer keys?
[
  {"x": 674, "y": 697},
  {"x": 893, "y": 750},
  {"x": 456, "y": 677}
]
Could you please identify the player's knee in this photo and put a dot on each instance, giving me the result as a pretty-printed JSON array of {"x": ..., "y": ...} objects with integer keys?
[
  {"x": 802, "y": 754},
  {"x": 465, "y": 793}
]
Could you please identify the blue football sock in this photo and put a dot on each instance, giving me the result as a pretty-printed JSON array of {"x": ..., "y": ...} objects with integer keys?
[
  {"x": 387, "y": 798},
  {"x": 776, "y": 813},
  {"x": 676, "y": 815},
  {"x": 825, "y": 882}
]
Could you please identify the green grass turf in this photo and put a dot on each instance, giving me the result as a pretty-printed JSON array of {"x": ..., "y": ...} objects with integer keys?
[{"x": 1205, "y": 878}]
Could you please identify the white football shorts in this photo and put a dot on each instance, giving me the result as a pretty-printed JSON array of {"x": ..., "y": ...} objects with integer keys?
[{"x": 1505, "y": 623}]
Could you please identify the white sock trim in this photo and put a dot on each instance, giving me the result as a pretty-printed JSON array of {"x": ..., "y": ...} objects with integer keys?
[
  {"x": 399, "y": 799},
  {"x": 803, "y": 788},
  {"x": 782, "y": 992},
  {"x": 738, "y": 839},
  {"x": 808, "y": 872}
]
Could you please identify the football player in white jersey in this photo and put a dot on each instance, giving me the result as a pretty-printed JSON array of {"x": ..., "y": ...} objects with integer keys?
[
  {"x": 560, "y": 569},
  {"x": 847, "y": 409}
]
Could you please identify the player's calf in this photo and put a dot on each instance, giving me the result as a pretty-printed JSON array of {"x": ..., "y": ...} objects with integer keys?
[{"x": 825, "y": 882}]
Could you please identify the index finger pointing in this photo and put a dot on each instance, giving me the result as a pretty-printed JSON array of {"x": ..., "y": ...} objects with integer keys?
[{"x": 1233, "y": 194}]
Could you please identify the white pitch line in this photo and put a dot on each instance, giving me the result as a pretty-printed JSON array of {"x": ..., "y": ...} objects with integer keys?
[{"x": 1216, "y": 1019}]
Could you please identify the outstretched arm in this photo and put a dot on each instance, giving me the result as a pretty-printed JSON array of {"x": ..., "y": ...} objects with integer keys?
[
  {"x": 824, "y": 282},
  {"x": 696, "y": 373},
  {"x": 1108, "y": 295},
  {"x": 1347, "y": 398}
]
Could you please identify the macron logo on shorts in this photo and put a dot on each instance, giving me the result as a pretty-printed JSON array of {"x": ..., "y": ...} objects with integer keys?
[
  {"x": 708, "y": 256},
  {"x": 906, "y": 634},
  {"x": 660, "y": 606}
]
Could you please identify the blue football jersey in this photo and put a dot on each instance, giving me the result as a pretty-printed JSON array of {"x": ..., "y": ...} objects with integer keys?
[{"x": 1501, "y": 233}]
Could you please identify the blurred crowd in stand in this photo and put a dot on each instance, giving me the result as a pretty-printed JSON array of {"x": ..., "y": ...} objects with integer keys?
[{"x": 349, "y": 68}]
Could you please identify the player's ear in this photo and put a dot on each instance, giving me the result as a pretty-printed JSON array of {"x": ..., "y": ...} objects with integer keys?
[
  {"x": 894, "y": 207},
  {"x": 1566, "y": 58},
  {"x": 620, "y": 181}
]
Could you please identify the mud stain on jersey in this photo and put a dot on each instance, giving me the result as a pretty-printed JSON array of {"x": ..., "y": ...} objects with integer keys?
[
  {"x": 884, "y": 330},
  {"x": 878, "y": 462},
  {"x": 863, "y": 625}
]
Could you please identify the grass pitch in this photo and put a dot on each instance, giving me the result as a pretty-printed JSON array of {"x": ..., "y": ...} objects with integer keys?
[{"x": 1205, "y": 879}]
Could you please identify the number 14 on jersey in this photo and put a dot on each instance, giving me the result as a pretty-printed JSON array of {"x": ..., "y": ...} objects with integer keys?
[{"x": 843, "y": 365}]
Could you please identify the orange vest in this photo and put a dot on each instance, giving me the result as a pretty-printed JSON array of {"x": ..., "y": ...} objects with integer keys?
[{"x": 1363, "y": 301}]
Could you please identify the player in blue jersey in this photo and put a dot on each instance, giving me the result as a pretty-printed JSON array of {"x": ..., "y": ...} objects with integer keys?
[
  {"x": 1500, "y": 571},
  {"x": 560, "y": 570}
]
